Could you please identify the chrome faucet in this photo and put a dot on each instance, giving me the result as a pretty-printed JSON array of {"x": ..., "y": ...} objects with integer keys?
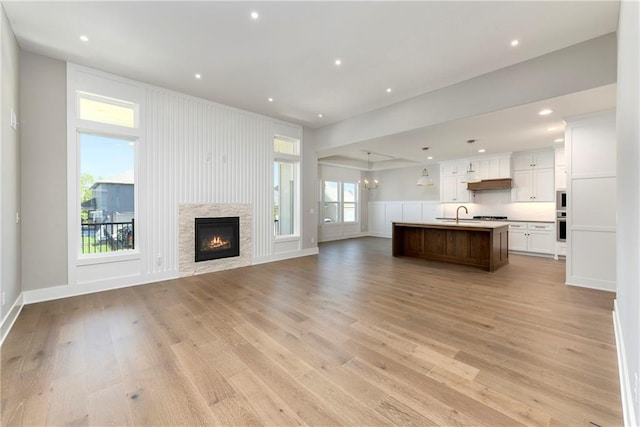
[{"x": 458, "y": 212}]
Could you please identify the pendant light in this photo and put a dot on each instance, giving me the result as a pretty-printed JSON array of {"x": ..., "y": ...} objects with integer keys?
[
  {"x": 471, "y": 176},
  {"x": 425, "y": 180},
  {"x": 367, "y": 183}
]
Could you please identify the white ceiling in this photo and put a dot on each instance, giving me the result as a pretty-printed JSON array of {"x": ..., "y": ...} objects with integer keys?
[
  {"x": 515, "y": 129},
  {"x": 288, "y": 53}
]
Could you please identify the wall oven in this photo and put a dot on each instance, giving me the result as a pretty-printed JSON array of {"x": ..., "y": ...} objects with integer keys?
[
  {"x": 561, "y": 200},
  {"x": 561, "y": 226}
]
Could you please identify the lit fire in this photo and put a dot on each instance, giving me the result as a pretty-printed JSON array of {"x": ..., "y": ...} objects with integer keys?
[{"x": 216, "y": 242}]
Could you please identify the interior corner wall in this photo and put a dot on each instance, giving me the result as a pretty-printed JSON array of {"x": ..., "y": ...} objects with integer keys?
[
  {"x": 400, "y": 184},
  {"x": 43, "y": 171},
  {"x": 10, "y": 281},
  {"x": 309, "y": 190},
  {"x": 628, "y": 197}
]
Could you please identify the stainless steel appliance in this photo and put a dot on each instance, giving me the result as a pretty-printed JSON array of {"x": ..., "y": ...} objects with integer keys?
[
  {"x": 561, "y": 200},
  {"x": 561, "y": 226}
]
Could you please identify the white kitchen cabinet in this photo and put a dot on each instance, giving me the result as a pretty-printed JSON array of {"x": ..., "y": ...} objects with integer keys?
[
  {"x": 533, "y": 159},
  {"x": 534, "y": 237},
  {"x": 454, "y": 168},
  {"x": 561, "y": 177},
  {"x": 493, "y": 167},
  {"x": 533, "y": 177},
  {"x": 454, "y": 190}
]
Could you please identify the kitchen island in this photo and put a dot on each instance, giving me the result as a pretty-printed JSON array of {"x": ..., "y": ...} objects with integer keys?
[{"x": 478, "y": 243}]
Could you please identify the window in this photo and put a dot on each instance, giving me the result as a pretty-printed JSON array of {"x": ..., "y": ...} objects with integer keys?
[
  {"x": 107, "y": 193},
  {"x": 339, "y": 202},
  {"x": 286, "y": 168},
  {"x": 106, "y": 110}
]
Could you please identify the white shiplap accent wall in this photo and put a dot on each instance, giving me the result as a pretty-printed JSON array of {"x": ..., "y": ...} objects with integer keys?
[
  {"x": 189, "y": 151},
  {"x": 199, "y": 152}
]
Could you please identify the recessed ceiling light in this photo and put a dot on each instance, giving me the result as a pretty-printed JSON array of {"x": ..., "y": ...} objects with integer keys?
[
  {"x": 482, "y": 150},
  {"x": 270, "y": 99},
  {"x": 545, "y": 112},
  {"x": 320, "y": 115},
  {"x": 84, "y": 38},
  {"x": 254, "y": 15},
  {"x": 515, "y": 42},
  {"x": 430, "y": 158},
  {"x": 388, "y": 90},
  {"x": 559, "y": 140},
  {"x": 551, "y": 129},
  {"x": 338, "y": 62},
  {"x": 198, "y": 76}
]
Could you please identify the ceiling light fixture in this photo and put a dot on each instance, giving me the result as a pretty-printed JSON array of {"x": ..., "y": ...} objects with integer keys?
[
  {"x": 270, "y": 99},
  {"x": 551, "y": 129},
  {"x": 515, "y": 42},
  {"x": 429, "y": 157},
  {"x": 338, "y": 62},
  {"x": 254, "y": 15},
  {"x": 471, "y": 175},
  {"x": 388, "y": 90},
  {"x": 425, "y": 180},
  {"x": 320, "y": 115},
  {"x": 84, "y": 38},
  {"x": 482, "y": 150},
  {"x": 545, "y": 112},
  {"x": 559, "y": 140},
  {"x": 367, "y": 183},
  {"x": 198, "y": 76}
]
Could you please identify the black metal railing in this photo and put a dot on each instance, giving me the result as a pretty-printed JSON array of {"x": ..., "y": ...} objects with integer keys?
[{"x": 107, "y": 236}]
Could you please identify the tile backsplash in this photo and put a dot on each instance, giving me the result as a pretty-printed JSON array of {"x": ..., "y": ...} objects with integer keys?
[{"x": 499, "y": 203}]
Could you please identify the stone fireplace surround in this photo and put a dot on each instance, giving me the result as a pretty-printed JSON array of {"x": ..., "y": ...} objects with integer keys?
[{"x": 188, "y": 212}]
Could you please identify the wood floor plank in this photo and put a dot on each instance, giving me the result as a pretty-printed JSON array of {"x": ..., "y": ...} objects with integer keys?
[{"x": 352, "y": 336}]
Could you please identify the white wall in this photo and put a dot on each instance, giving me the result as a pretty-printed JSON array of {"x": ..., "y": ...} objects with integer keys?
[
  {"x": 43, "y": 141},
  {"x": 10, "y": 280},
  {"x": 541, "y": 78},
  {"x": 400, "y": 184},
  {"x": 628, "y": 204}
]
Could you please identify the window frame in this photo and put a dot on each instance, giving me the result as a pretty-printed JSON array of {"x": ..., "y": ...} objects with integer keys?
[
  {"x": 340, "y": 202},
  {"x": 295, "y": 160}
]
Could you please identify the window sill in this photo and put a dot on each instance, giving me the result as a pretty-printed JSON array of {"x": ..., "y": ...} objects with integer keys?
[
  {"x": 291, "y": 238},
  {"x": 108, "y": 258}
]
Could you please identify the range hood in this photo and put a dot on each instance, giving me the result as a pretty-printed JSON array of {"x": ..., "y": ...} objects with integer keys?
[{"x": 490, "y": 184}]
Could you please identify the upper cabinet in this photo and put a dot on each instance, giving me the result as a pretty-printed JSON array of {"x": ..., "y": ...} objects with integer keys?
[
  {"x": 454, "y": 168},
  {"x": 493, "y": 167},
  {"x": 533, "y": 176}
]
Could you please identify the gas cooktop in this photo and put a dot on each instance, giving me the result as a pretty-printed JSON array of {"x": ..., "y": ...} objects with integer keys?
[{"x": 490, "y": 218}]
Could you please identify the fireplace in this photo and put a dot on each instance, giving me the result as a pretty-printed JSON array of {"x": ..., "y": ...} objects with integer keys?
[{"x": 217, "y": 238}]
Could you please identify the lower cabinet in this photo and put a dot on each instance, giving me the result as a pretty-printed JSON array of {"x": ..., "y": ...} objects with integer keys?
[{"x": 535, "y": 237}]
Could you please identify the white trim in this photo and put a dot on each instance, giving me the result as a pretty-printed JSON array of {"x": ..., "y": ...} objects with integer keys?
[
  {"x": 286, "y": 255},
  {"x": 10, "y": 319},
  {"x": 623, "y": 370},
  {"x": 65, "y": 291},
  {"x": 346, "y": 236},
  {"x": 601, "y": 285}
]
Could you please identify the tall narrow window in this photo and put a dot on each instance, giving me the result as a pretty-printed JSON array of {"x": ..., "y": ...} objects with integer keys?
[
  {"x": 331, "y": 206},
  {"x": 349, "y": 202},
  {"x": 286, "y": 168},
  {"x": 107, "y": 193}
]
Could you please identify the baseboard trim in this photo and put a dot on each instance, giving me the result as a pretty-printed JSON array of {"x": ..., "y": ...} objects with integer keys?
[
  {"x": 66, "y": 291},
  {"x": 344, "y": 237},
  {"x": 11, "y": 317},
  {"x": 623, "y": 370},
  {"x": 286, "y": 255},
  {"x": 590, "y": 286}
]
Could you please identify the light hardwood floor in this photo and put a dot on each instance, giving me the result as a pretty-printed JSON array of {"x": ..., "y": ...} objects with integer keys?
[{"x": 350, "y": 337}]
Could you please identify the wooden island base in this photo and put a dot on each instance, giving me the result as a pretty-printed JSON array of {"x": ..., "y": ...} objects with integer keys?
[{"x": 482, "y": 244}]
